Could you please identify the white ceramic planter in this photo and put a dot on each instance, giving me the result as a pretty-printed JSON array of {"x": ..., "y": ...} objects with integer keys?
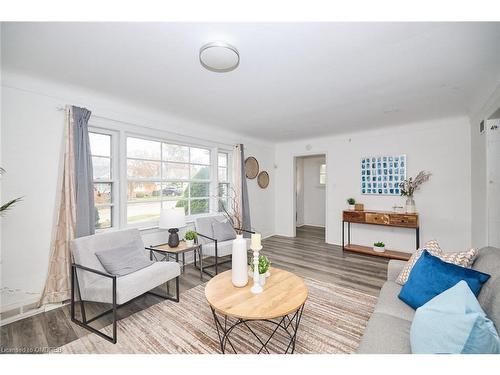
[
  {"x": 351, "y": 207},
  {"x": 189, "y": 243},
  {"x": 379, "y": 249},
  {"x": 263, "y": 278},
  {"x": 239, "y": 263}
]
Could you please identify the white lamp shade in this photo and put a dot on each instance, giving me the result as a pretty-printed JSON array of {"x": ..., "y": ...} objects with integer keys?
[{"x": 172, "y": 218}]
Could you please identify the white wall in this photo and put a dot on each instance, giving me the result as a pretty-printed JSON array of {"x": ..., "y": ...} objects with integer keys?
[
  {"x": 441, "y": 147},
  {"x": 313, "y": 194},
  {"x": 32, "y": 138}
]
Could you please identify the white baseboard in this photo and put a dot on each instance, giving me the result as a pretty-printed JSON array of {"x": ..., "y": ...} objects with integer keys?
[{"x": 311, "y": 225}]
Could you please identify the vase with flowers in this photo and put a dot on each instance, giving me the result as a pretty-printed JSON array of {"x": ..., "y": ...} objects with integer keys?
[{"x": 409, "y": 186}]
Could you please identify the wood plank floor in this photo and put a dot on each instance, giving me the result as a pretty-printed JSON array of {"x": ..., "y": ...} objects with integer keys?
[{"x": 306, "y": 255}]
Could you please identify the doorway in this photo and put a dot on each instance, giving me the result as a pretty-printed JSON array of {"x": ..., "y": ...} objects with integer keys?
[{"x": 310, "y": 197}]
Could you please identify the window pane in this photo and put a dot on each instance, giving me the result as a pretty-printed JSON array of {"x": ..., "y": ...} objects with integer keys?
[
  {"x": 143, "y": 212},
  {"x": 199, "y": 206},
  {"x": 179, "y": 203},
  {"x": 223, "y": 190},
  {"x": 223, "y": 204},
  {"x": 322, "y": 179},
  {"x": 222, "y": 174},
  {"x": 222, "y": 161},
  {"x": 322, "y": 168},
  {"x": 102, "y": 193},
  {"x": 103, "y": 217},
  {"x": 100, "y": 144},
  {"x": 143, "y": 149},
  {"x": 143, "y": 169},
  {"x": 143, "y": 191},
  {"x": 200, "y": 156},
  {"x": 175, "y": 153},
  {"x": 175, "y": 171},
  {"x": 101, "y": 168},
  {"x": 200, "y": 189},
  {"x": 200, "y": 172},
  {"x": 172, "y": 190}
]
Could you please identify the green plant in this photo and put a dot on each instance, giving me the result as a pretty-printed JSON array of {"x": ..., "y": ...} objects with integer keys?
[
  {"x": 190, "y": 235},
  {"x": 264, "y": 264},
  {"x": 351, "y": 201},
  {"x": 379, "y": 244},
  {"x": 6, "y": 206}
]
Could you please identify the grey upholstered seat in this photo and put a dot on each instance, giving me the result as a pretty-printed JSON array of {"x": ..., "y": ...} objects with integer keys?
[
  {"x": 94, "y": 287},
  {"x": 204, "y": 226}
]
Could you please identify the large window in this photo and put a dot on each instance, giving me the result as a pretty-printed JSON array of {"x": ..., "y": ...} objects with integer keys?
[
  {"x": 101, "y": 150},
  {"x": 162, "y": 175}
]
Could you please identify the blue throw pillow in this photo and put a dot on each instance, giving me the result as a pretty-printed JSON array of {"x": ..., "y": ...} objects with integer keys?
[
  {"x": 431, "y": 276},
  {"x": 453, "y": 322}
]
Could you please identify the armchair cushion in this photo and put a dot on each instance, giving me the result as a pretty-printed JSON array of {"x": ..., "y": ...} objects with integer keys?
[
  {"x": 223, "y": 231},
  {"x": 131, "y": 285},
  {"x": 122, "y": 260}
]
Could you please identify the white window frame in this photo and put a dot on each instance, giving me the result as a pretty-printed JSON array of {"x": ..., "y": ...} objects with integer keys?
[
  {"x": 115, "y": 176},
  {"x": 213, "y": 182}
]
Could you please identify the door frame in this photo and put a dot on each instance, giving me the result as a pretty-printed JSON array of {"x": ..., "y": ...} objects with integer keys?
[
  {"x": 489, "y": 139},
  {"x": 294, "y": 195}
]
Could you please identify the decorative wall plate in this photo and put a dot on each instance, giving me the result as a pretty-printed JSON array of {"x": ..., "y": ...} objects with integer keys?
[
  {"x": 263, "y": 179},
  {"x": 251, "y": 167}
]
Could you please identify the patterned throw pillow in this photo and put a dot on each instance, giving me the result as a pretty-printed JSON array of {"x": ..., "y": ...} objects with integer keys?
[{"x": 462, "y": 258}]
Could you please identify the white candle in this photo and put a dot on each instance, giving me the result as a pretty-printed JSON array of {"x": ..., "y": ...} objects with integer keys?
[{"x": 256, "y": 240}]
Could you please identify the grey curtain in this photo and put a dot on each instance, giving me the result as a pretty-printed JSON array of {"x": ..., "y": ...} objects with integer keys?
[
  {"x": 245, "y": 205},
  {"x": 84, "y": 186}
]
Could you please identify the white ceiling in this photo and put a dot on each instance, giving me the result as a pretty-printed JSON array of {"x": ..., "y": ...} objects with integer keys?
[{"x": 294, "y": 80}]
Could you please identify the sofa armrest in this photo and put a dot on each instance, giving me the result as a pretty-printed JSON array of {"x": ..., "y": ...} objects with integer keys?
[{"x": 394, "y": 268}]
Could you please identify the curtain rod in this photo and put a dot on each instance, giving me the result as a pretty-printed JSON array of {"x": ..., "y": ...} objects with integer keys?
[{"x": 155, "y": 129}]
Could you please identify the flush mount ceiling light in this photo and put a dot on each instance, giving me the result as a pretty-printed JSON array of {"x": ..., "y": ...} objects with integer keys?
[{"x": 219, "y": 57}]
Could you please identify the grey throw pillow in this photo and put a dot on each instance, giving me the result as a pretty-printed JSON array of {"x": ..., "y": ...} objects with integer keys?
[
  {"x": 123, "y": 260},
  {"x": 223, "y": 231}
]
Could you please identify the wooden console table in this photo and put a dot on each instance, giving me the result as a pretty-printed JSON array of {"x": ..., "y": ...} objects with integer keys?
[{"x": 386, "y": 218}]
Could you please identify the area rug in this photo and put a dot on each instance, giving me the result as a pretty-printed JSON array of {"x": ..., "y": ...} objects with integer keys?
[{"x": 333, "y": 321}]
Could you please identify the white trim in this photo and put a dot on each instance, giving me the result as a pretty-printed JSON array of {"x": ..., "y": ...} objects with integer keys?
[{"x": 294, "y": 195}]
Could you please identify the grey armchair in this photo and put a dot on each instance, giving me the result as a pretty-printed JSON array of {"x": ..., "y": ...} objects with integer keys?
[
  {"x": 93, "y": 284},
  {"x": 210, "y": 245}
]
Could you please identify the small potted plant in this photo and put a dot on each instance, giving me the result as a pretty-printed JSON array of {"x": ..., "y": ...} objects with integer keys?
[
  {"x": 264, "y": 265},
  {"x": 190, "y": 236},
  {"x": 351, "y": 202},
  {"x": 379, "y": 247}
]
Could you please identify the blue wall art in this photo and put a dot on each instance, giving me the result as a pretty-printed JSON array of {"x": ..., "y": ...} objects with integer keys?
[{"x": 381, "y": 175}]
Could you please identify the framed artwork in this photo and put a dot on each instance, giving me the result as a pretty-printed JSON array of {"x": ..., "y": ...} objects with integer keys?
[{"x": 381, "y": 175}]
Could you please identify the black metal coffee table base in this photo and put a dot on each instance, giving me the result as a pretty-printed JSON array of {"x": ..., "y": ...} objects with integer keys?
[{"x": 288, "y": 324}]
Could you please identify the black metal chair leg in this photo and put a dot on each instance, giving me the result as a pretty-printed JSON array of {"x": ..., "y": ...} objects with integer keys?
[
  {"x": 216, "y": 260},
  {"x": 114, "y": 311},
  {"x": 82, "y": 304}
]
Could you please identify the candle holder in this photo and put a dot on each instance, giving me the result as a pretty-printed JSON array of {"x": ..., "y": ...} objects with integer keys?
[{"x": 256, "y": 288}]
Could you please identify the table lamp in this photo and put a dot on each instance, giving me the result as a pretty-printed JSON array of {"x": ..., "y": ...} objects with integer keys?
[{"x": 172, "y": 219}]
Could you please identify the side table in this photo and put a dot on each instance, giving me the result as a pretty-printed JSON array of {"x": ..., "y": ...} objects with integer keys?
[{"x": 167, "y": 252}]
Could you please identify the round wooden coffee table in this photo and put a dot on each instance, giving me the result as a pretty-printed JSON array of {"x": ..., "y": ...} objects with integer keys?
[{"x": 280, "y": 305}]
